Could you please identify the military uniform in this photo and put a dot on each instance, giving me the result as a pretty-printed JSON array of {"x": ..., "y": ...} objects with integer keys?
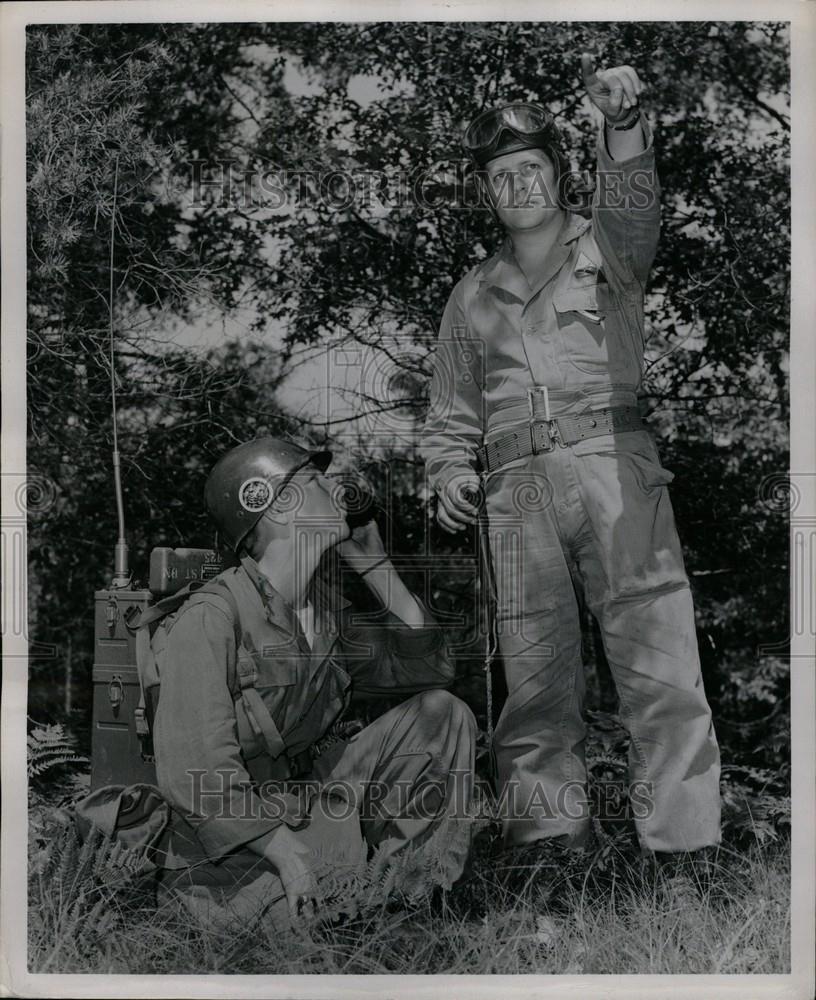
[
  {"x": 404, "y": 774},
  {"x": 593, "y": 514}
]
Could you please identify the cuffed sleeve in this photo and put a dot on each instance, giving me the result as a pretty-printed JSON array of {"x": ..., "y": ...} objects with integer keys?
[
  {"x": 454, "y": 424},
  {"x": 386, "y": 656},
  {"x": 199, "y": 767},
  {"x": 626, "y": 211}
]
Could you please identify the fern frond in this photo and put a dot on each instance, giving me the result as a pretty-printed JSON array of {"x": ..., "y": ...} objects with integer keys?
[
  {"x": 36, "y": 768},
  {"x": 50, "y": 746}
]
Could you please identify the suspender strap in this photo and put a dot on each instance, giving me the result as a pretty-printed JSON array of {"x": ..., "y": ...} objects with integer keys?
[
  {"x": 260, "y": 719},
  {"x": 144, "y": 668},
  {"x": 258, "y": 715}
]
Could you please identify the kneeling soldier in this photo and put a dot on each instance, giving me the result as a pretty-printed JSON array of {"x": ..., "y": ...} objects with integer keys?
[{"x": 293, "y": 657}]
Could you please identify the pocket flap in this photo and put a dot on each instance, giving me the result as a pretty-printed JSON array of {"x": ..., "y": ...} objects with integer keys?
[
  {"x": 577, "y": 299},
  {"x": 592, "y": 298},
  {"x": 652, "y": 474},
  {"x": 279, "y": 671}
]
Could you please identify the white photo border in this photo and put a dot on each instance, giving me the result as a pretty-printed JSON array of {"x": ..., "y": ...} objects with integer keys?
[{"x": 14, "y": 977}]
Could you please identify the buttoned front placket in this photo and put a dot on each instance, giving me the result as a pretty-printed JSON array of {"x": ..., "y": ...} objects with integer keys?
[
  {"x": 529, "y": 311},
  {"x": 308, "y": 686}
]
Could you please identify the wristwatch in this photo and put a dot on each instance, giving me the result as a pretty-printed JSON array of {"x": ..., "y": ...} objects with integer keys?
[{"x": 627, "y": 122}]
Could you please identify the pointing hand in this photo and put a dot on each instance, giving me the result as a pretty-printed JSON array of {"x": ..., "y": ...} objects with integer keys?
[{"x": 613, "y": 91}]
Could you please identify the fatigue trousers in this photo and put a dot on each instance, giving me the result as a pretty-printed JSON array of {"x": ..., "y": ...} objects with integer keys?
[
  {"x": 405, "y": 777},
  {"x": 601, "y": 520},
  {"x": 408, "y": 771}
]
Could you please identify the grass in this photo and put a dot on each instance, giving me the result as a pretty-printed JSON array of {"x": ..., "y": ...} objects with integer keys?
[{"x": 508, "y": 914}]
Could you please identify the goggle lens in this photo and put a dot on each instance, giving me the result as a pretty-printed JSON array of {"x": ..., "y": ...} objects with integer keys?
[{"x": 526, "y": 119}]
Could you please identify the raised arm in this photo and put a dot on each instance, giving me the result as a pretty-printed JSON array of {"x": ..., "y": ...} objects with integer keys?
[
  {"x": 626, "y": 207},
  {"x": 616, "y": 93},
  {"x": 403, "y": 650}
]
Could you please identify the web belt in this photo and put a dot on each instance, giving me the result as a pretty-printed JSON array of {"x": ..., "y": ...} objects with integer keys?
[{"x": 537, "y": 436}]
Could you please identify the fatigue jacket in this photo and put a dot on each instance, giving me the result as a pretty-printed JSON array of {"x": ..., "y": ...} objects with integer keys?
[
  {"x": 208, "y": 759},
  {"x": 579, "y": 331}
]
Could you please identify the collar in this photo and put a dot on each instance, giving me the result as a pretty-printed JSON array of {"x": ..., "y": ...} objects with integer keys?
[
  {"x": 575, "y": 226},
  {"x": 279, "y": 611},
  {"x": 502, "y": 269}
]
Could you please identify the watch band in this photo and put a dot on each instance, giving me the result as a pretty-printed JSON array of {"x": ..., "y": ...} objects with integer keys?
[
  {"x": 625, "y": 123},
  {"x": 374, "y": 565}
]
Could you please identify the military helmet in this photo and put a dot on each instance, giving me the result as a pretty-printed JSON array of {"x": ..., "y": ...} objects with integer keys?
[{"x": 245, "y": 482}]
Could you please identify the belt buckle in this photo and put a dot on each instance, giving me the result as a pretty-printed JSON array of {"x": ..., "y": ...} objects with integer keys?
[
  {"x": 543, "y": 443},
  {"x": 531, "y": 406},
  {"x": 546, "y": 442}
]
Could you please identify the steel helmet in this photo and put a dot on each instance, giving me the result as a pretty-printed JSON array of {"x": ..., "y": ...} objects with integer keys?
[{"x": 248, "y": 479}]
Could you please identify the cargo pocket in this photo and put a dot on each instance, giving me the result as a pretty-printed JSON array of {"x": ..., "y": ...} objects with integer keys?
[
  {"x": 629, "y": 507},
  {"x": 650, "y": 475}
]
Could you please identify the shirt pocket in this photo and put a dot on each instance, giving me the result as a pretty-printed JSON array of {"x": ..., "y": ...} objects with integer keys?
[
  {"x": 324, "y": 700},
  {"x": 591, "y": 300},
  {"x": 275, "y": 682},
  {"x": 589, "y": 322}
]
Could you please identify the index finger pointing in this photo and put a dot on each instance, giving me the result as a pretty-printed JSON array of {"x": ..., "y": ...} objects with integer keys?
[{"x": 588, "y": 69}]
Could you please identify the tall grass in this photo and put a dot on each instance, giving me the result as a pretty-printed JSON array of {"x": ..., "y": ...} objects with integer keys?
[{"x": 92, "y": 911}]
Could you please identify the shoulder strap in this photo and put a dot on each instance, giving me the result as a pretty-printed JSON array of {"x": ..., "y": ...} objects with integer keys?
[
  {"x": 589, "y": 245},
  {"x": 246, "y": 671},
  {"x": 258, "y": 715},
  {"x": 148, "y": 675},
  {"x": 168, "y": 605},
  {"x": 219, "y": 588},
  {"x": 147, "y": 668}
]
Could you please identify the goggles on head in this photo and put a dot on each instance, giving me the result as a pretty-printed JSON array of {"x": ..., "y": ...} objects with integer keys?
[{"x": 510, "y": 128}]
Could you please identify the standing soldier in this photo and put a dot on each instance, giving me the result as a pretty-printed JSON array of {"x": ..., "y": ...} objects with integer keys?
[{"x": 535, "y": 385}]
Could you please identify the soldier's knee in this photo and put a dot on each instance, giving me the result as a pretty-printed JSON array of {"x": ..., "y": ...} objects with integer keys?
[
  {"x": 443, "y": 705},
  {"x": 437, "y": 701}
]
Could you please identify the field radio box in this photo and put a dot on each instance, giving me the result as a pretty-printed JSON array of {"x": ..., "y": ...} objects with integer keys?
[{"x": 121, "y": 748}]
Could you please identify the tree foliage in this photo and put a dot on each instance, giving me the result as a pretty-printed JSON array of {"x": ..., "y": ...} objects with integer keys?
[{"x": 308, "y": 177}]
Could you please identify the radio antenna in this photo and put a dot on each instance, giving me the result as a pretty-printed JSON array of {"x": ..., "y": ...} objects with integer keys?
[{"x": 121, "y": 572}]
